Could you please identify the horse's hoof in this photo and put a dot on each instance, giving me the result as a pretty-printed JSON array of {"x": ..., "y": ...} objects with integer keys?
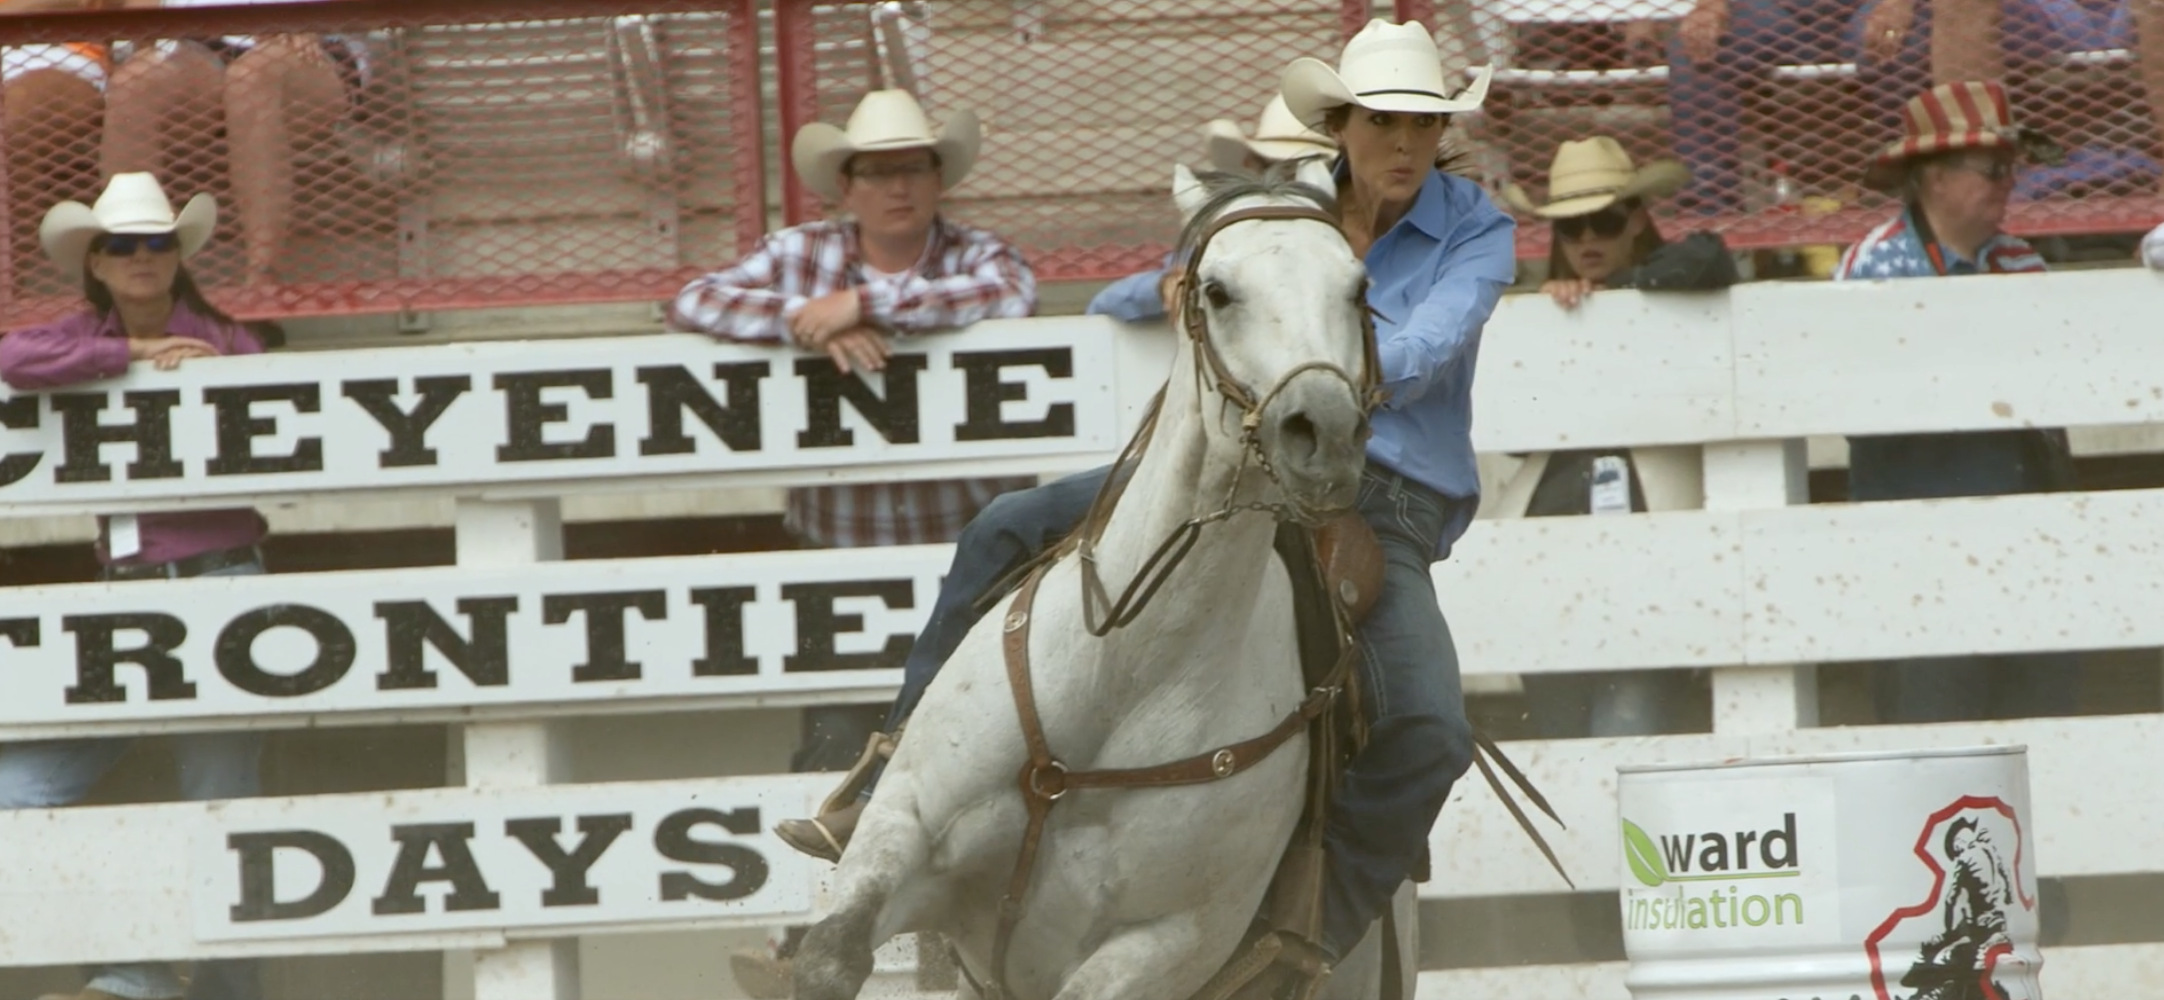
[{"x": 760, "y": 975}]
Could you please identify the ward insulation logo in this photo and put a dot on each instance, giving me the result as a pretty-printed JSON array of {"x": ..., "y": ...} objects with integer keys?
[{"x": 1713, "y": 879}]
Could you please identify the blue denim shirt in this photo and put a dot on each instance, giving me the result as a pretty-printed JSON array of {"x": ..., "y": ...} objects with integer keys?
[{"x": 1436, "y": 277}]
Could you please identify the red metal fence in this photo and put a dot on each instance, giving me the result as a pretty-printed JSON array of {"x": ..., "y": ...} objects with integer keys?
[
  {"x": 1776, "y": 105},
  {"x": 1086, "y": 104},
  {"x": 382, "y": 156},
  {"x": 385, "y": 155}
]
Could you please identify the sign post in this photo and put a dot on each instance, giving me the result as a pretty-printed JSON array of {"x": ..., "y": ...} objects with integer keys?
[{"x": 512, "y": 754}]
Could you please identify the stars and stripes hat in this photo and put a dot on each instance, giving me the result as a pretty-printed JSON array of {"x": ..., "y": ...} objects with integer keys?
[{"x": 1955, "y": 116}]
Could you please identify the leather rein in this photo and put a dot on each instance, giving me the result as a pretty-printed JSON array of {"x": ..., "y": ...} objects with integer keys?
[{"x": 1045, "y": 779}]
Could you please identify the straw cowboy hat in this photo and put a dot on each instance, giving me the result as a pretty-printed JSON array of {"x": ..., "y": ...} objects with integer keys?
[
  {"x": 1591, "y": 174},
  {"x": 884, "y": 120},
  {"x": 1278, "y": 136},
  {"x": 132, "y": 203},
  {"x": 1954, "y": 116},
  {"x": 1386, "y": 67}
]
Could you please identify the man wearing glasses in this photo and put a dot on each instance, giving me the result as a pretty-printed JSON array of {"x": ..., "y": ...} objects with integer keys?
[{"x": 889, "y": 266}]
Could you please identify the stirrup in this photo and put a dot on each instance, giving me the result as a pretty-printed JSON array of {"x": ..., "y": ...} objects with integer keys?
[
  {"x": 879, "y": 747},
  {"x": 1273, "y": 957}
]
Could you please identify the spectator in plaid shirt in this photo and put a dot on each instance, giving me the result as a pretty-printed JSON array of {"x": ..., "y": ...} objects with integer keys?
[
  {"x": 848, "y": 286},
  {"x": 892, "y": 266}
]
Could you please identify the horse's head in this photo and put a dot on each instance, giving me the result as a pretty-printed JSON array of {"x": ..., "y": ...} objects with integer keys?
[{"x": 1275, "y": 308}]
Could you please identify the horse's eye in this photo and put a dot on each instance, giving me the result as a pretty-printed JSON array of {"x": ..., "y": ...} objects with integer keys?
[{"x": 1218, "y": 296}]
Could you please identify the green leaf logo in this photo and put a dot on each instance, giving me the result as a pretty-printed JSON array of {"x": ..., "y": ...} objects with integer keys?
[{"x": 1643, "y": 855}]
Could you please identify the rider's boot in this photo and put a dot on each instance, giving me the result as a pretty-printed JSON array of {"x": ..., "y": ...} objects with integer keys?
[{"x": 825, "y": 836}]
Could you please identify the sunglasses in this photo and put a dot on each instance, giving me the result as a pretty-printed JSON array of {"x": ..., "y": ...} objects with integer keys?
[
  {"x": 1994, "y": 170},
  {"x": 126, "y": 244},
  {"x": 1606, "y": 224}
]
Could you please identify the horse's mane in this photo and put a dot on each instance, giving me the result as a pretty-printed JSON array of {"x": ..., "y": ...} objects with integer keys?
[{"x": 1225, "y": 188}]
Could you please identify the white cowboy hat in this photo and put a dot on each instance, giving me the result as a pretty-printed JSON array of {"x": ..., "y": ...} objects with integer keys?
[
  {"x": 1278, "y": 136},
  {"x": 131, "y": 203},
  {"x": 1386, "y": 67},
  {"x": 884, "y": 120},
  {"x": 1591, "y": 174}
]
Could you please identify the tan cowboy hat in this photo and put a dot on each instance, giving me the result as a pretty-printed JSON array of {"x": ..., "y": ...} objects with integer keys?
[
  {"x": 131, "y": 203},
  {"x": 1591, "y": 174},
  {"x": 1955, "y": 116},
  {"x": 884, "y": 120},
  {"x": 1278, "y": 136},
  {"x": 1386, "y": 67}
]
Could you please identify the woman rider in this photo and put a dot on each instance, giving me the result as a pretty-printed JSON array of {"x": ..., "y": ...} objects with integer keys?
[{"x": 1439, "y": 254}]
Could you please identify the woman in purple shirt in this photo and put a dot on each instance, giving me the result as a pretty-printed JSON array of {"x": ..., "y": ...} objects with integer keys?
[{"x": 142, "y": 307}]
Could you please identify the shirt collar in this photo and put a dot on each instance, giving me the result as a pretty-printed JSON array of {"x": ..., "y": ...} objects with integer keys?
[
  {"x": 1431, "y": 207},
  {"x": 1947, "y": 253},
  {"x": 935, "y": 245}
]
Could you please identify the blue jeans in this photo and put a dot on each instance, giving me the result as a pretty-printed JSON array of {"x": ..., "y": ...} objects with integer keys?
[
  {"x": 1419, "y": 740},
  {"x": 47, "y": 773}
]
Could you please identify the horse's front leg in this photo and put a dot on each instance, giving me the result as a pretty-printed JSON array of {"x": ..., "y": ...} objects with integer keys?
[
  {"x": 1150, "y": 961},
  {"x": 879, "y": 886}
]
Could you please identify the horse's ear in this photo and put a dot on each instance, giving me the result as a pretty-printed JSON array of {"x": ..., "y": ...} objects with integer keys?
[
  {"x": 1314, "y": 171},
  {"x": 1187, "y": 191}
]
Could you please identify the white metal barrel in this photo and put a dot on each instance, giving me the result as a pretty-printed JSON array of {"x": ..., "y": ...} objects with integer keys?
[{"x": 1881, "y": 876}]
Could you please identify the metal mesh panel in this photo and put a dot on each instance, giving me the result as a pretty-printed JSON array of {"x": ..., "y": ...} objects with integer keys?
[
  {"x": 376, "y": 157},
  {"x": 1777, "y": 106},
  {"x": 1086, "y": 104}
]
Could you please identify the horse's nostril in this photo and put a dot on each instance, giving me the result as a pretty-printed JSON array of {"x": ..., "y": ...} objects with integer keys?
[{"x": 1298, "y": 433}]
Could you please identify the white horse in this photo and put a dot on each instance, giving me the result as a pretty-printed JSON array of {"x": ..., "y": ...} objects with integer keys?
[{"x": 1140, "y": 893}]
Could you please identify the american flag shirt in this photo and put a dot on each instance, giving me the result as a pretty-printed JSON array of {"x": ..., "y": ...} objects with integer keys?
[
  {"x": 1894, "y": 250},
  {"x": 965, "y": 275}
]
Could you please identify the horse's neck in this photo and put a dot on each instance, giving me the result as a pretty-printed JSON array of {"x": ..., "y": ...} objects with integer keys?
[{"x": 1181, "y": 476}]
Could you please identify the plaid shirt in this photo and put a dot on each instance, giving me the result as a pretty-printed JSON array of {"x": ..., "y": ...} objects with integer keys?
[{"x": 964, "y": 276}]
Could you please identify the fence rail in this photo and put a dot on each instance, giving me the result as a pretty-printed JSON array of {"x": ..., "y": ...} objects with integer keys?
[{"x": 1750, "y": 587}]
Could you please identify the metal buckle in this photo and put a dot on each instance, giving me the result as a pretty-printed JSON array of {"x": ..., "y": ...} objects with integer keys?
[
  {"x": 1223, "y": 762},
  {"x": 1034, "y": 783}
]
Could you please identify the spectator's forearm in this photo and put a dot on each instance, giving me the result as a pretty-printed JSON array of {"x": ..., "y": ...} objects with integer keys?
[{"x": 35, "y": 359}]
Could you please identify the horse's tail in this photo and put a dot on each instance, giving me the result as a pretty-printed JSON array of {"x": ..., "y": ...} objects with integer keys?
[{"x": 1485, "y": 750}]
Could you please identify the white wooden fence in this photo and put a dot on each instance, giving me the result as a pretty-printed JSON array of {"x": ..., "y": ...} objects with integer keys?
[{"x": 1745, "y": 582}]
